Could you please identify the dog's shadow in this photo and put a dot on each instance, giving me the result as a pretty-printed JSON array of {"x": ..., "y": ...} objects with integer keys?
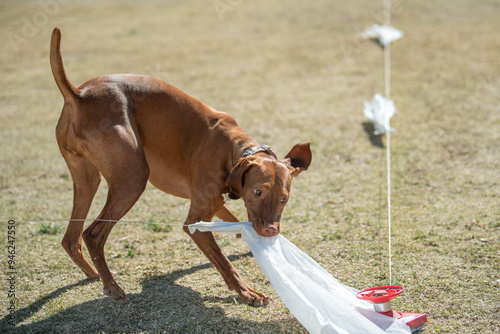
[
  {"x": 163, "y": 306},
  {"x": 376, "y": 140}
]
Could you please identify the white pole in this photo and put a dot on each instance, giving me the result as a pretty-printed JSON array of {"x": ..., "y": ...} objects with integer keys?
[{"x": 387, "y": 65}]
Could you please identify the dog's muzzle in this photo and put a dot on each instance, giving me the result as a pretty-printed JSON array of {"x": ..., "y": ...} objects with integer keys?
[{"x": 266, "y": 229}]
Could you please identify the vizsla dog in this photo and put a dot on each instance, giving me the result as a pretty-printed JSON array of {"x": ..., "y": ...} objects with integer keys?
[{"x": 131, "y": 129}]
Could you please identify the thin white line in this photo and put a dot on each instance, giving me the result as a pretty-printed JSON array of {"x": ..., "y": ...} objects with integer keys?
[{"x": 87, "y": 219}]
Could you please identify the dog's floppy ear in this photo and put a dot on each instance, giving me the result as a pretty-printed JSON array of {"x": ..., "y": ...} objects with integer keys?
[
  {"x": 236, "y": 179},
  {"x": 299, "y": 158}
]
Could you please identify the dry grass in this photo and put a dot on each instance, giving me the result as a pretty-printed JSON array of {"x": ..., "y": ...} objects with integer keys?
[{"x": 288, "y": 72}]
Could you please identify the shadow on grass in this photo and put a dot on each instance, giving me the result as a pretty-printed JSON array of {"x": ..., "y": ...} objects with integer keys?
[
  {"x": 161, "y": 307},
  {"x": 376, "y": 140}
]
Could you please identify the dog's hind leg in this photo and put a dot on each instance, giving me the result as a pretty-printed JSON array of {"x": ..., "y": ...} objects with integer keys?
[
  {"x": 86, "y": 179},
  {"x": 123, "y": 164}
]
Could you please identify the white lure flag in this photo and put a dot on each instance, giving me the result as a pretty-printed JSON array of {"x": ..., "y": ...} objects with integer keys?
[
  {"x": 379, "y": 112},
  {"x": 384, "y": 34},
  {"x": 320, "y": 302}
]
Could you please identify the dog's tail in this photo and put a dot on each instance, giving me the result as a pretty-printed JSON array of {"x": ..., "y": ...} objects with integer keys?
[{"x": 67, "y": 89}]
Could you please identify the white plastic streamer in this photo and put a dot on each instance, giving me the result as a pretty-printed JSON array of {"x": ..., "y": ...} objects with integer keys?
[
  {"x": 385, "y": 34},
  {"x": 379, "y": 111},
  {"x": 319, "y": 302}
]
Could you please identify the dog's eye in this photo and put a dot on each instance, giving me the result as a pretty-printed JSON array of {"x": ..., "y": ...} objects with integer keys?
[
  {"x": 283, "y": 201},
  {"x": 258, "y": 192}
]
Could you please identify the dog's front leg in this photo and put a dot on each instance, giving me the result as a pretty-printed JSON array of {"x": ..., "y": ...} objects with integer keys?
[{"x": 207, "y": 244}]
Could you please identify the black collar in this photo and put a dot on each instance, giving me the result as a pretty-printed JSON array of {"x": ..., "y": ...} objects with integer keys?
[{"x": 257, "y": 149}]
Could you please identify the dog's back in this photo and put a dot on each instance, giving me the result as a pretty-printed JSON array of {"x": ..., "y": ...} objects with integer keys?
[{"x": 160, "y": 116}]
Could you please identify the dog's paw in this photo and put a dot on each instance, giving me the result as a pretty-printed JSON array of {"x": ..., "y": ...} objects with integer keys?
[
  {"x": 258, "y": 302},
  {"x": 118, "y": 295},
  {"x": 255, "y": 298},
  {"x": 123, "y": 300}
]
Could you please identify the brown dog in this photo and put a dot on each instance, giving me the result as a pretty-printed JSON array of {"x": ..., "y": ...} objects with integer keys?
[{"x": 131, "y": 129}]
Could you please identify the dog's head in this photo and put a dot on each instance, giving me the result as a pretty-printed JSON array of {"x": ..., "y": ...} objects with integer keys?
[{"x": 264, "y": 183}]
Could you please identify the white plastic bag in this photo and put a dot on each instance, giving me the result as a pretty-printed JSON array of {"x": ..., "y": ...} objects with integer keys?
[
  {"x": 379, "y": 112},
  {"x": 320, "y": 302},
  {"x": 384, "y": 34}
]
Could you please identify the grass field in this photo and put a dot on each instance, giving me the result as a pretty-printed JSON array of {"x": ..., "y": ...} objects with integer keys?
[{"x": 288, "y": 71}]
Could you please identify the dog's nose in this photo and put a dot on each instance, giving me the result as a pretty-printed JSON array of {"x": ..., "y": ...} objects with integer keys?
[{"x": 269, "y": 230}]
